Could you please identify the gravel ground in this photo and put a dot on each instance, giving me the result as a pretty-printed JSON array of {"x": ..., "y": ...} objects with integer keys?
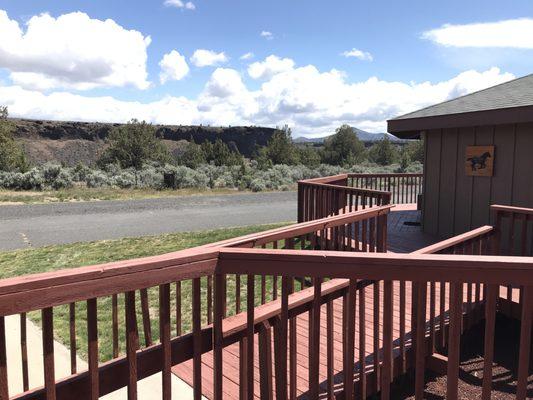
[
  {"x": 38, "y": 225},
  {"x": 504, "y": 371}
]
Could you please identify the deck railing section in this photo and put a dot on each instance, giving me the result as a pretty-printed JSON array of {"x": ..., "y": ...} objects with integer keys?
[
  {"x": 323, "y": 197},
  {"x": 404, "y": 188},
  {"x": 419, "y": 272},
  {"x": 173, "y": 292},
  {"x": 513, "y": 236}
]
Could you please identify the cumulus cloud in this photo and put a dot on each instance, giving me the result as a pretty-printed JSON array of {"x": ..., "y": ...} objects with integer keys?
[
  {"x": 206, "y": 58},
  {"x": 180, "y": 4},
  {"x": 173, "y": 67},
  {"x": 314, "y": 102},
  {"x": 72, "y": 51},
  {"x": 361, "y": 55},
  {"x": 247, "y": 56},
  {"x": 269, "y": 67},
  {"x": 511, "y": 33},
  {"x": 267, "y": 35}
]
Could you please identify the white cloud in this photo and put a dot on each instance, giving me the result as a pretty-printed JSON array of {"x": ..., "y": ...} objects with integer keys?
[
  {"x": 312, "y": 101},
  {"x": 271, "y": 66},
  {"x": 205, "y": 58},
  {"x": 361, "y": 55},
  {"x": 267, "y": 35},
  {"x": 247, "y": 56},
  {"x": 72, "y": 51},
  {"x": 173, "y": 67},
  {"x": 512, "y": 33},
  {"x": 180, "y": 4}
]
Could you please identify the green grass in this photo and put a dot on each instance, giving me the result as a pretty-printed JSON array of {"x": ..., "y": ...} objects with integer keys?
[
  {"x": 28, "y": 261},
  {"x": 95, "y": 194}
]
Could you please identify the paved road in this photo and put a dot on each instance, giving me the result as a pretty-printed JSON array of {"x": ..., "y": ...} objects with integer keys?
[{"x": 45, "y": 224}]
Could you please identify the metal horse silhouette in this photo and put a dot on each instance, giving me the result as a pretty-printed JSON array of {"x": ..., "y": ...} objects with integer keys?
[{"x": 479, "y": 162}]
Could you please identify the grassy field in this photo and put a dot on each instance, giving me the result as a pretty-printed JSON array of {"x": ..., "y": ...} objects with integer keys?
[
  {"x": 27, "y": 261},
  {"x": 95, "y": 194}
]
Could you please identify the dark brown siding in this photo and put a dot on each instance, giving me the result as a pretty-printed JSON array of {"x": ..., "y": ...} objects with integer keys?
[{"x": 454, "y": 202}]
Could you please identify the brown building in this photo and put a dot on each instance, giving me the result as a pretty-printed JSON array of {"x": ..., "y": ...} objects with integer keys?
[{"x": 460, "y": 179}]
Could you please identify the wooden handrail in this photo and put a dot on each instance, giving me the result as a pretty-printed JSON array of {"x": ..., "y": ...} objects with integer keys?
[
  {"x": 385, "y": 175},
  {"x": 28, "y": 293},
  {"x": 512, "y": 209},
  {"x": 325, "y": 179},
  {"x": 349, "y": 189},
  {"x": 305, "y": 227},
  {"x": 445, "y": 244},
  {"x": 378, "y": 266}
]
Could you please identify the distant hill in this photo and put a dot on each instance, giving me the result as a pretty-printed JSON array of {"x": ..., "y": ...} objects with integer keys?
[
  {"x": 361, "y": 134},
  {"x": 72, "y": 142}
]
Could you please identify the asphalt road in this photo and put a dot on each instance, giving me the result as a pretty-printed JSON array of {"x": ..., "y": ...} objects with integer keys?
[{"x": 23, "y": 226}]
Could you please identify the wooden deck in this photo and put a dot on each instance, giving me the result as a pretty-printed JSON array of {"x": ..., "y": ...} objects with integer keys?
[
  {"x": 403, "y": 235},
  {"x": 402, "y": 238},
  {"x": 231, "y": 353}
]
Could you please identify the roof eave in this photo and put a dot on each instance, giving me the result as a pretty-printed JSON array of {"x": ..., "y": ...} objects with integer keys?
[{"x": 409, "y": 128}]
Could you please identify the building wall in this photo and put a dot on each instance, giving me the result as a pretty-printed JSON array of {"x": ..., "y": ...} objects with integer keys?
[{"x": 455, "y": 203}]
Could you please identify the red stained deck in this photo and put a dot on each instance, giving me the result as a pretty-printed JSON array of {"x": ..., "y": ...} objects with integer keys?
[
  {"x": 402, "y": 238},
  {"x": 231, "y": 353}
]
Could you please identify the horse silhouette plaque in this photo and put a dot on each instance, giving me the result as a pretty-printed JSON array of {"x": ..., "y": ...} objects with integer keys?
[{"x": 479, "y": 160}]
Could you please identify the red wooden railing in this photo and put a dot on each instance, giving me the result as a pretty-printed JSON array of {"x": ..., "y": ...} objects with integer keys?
[
  {"x": 323, "y": 197},
  {"x": 333, "y": 195},
  {"x": 513, "y": 236},
  {"x": 170, "y": 278},
  {"x": 397, "y": 312},
  {"x": 419, "y": 272},
  {"x": 404, "y": 188}
]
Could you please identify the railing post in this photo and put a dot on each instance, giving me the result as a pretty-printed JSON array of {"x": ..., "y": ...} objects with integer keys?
[{"x": 300, "y": 201}]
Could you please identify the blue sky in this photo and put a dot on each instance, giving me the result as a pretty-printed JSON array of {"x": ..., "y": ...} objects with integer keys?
[{"x": 397, "y": 64}]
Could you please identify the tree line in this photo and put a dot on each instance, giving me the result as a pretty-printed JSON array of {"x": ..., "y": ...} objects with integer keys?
[{"x": 135, "y": 143}]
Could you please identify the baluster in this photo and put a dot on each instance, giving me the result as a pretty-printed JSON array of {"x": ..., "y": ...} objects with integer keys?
[
  {"x": 280, "y": 343},
  {"x": 217, "y": 337},
  {"x": 442, "y": 315},
  {"x": 146, "y": 317},
  {"x": 132, "y": 343},
  {"x": 250, "y": 306},
  {"x": 432, "y": 301},
  {"x": 197, "y": 338},
  {"x": 72, "y": 336},
  {"x": 349, "y": 341},
  {"x": 454, "y": 341},
  {"x": 314, "y": 339},
  {"x": 376, "y": 346},
  {"x": 488, "y": 355},
  {"x": 420, "y": 344},
  {"x": 209, "y": 310},
  {"x": 362, "y": 342},
  {"x": 178, "y": 309},
  {"x": 403, "y": 358},
  {"x": 237, "y": 293},
  {"x": 387, "y": 371},
  {"x": 48, "y": 353},
  {"x": 24, "y": 352},
  {"x": 114, "y": 323},
  {"x": 329, "y": 349},
  {"x": 92, "y": 339},
  {"x": 525, "y": 343},
  {"x": 265, "y": 361},
  {"x": 4, "y": 394},
  {"x": 164, "y": 338}
]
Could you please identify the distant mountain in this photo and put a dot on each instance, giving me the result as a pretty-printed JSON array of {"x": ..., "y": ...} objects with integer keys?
[{"x": 361, "y": 134}]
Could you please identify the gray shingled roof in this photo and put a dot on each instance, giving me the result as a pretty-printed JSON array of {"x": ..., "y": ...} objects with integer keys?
[{"x": 515, "y": 93}]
